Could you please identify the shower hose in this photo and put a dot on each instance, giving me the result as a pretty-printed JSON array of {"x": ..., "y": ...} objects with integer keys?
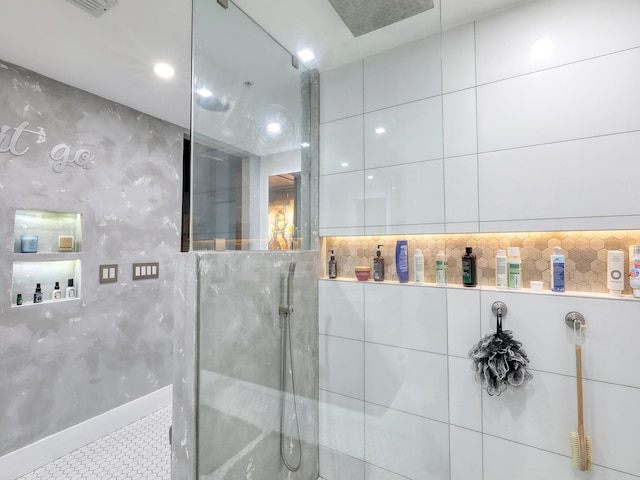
[{"x": 286, "y": 346}]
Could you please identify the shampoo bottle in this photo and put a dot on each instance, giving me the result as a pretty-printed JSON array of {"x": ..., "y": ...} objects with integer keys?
[
  {"x": 418, "y": 266},
  {"x": 71, "y": 290},
  {"x": 501, "y": 269},
  {"x": 57, "y": 293},
  {"x": 37, "y": 296},
  {"x": 514, "y": 268},
  {"x": 557, "y": 271},
  {"x": 615, "y": 269},
  {"x": 378, "y": 266},
  {"x": 634, "y": 269},
  {"x": 402, "y": 261},
  {"x": 333, "y": 266},
  {"x": 441, "y": 268},
  {"x": 469, "y": 275}
]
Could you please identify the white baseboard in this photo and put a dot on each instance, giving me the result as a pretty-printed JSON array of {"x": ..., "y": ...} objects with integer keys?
[{"x": 31, "y": 457}]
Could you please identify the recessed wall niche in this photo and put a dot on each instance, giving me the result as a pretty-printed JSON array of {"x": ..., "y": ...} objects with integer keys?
[{"x": 585, "y": 252}]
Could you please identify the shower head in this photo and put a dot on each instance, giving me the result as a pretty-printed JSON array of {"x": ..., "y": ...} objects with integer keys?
[{"x": 292, "y": 268}]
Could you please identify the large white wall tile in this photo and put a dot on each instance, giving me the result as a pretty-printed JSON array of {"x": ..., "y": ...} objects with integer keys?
[
  {"x": 407, "y": 380},
  {"x": 341, "y": 309},
  {"x": 541, "y": 414},
  {"x": 337, "y": 466},
  {"x": 341, "y": 366},
  {"x": 406, "y": 444},
  {"x": 405, "y": 194},
  {"x": 412, "y": 133},
  {"x": 466, "y": 454},
  {"x": 505, "y": 460},
  {"x": 463, "y": 320},
  {"x": 341, "y": 200},
  {"x": 458, "y": 58},
  {"x": 547, "y": 33},
  {"x": 539, "y": 320},
  {"x": 465, "y": 399},
  {"x": 341, "y": 426},
  {"x": 459, "y": 114},
  {"x": 342, "y": 145},
  {"x": 594, "y": 97},
  {"x": 404, "y": 74},
  {"x": 461, "y": 189},
  {"x": 556, "y": 183},
  {"x": 406, "y": 316},
  {"x": 341, "y": 93},
  {"x": 612, "y": 420},
  {"x": 371, "y": 472}
]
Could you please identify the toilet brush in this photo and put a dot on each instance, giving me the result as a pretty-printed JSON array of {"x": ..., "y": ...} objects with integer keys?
[{"x": 580, "y": 443}]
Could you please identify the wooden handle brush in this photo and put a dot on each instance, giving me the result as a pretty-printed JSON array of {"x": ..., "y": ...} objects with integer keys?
[{"x": 581, "y": 444}]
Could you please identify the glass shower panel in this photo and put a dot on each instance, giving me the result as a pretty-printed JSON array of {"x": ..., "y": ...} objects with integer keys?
[{"x": 250, "y": 121}]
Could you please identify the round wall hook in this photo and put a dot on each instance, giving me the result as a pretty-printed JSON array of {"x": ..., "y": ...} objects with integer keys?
[
  {"x": 572, "y": 317},
  {"x": 499, "y": 308}
]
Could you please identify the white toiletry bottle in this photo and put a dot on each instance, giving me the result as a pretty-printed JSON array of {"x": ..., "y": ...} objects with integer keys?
[
  {"x": 501, "y": 269},
  {"x": 615, "y": 269},
  {"x": 71, "y": 290},
  {"x": 514, "y": 268},
  {"x": 441, "y": 268},
  {"x": 418, "y": 266},
  {"x": 57, "y": 293},
  {"x": 634, "y": 269},
  {"x": 557, "y": 271}
]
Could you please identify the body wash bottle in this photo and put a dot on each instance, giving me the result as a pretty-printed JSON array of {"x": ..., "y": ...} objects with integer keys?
[
  {"x": 418, "y": 266},
  {"x": 441, "y": 268},
  {"x": 514, "y": 268},
  {"x": 57, "y": 293},
  {"x": 37, "y": 296},
  {"x": 634, "y": 269},
  {"x": 501, "y": 269},
  {"x": 333, "y": 266},
  {"x": 402, "y": 261},
  {"x": 557, "y": 271},
  {"x": 71, "y": 290},
  {"x": 378, "y": 266},
  {"x": 469, "y": 275}
]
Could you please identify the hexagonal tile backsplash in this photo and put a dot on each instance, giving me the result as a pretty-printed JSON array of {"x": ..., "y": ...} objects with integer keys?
[{"x": 585, "y": 255}]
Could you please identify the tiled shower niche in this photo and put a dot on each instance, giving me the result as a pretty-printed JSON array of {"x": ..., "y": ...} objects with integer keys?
[{"x": 585, "y": 255}]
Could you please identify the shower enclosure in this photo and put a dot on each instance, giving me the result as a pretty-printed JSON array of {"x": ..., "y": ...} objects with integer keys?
[{"x": 246, "y": 356}]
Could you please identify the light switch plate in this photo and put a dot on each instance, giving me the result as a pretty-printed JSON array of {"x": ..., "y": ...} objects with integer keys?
[
  {"x": 108, "y": 273},
  {"x": 142, "y": 271}
]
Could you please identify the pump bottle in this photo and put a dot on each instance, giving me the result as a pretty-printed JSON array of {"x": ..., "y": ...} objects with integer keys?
[
  {"x": 57, "y": 293},
  {"x": 469, "y": 274},
  {"x": 37, "y": 296},
  {"x": 378, "y": 266},
  {"x": 71, "y": 290},
  {"x": 333, "y": 266}
]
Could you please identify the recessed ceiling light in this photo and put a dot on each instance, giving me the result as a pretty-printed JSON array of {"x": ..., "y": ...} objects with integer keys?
[
  {"x": 306, "y": 55},
  {"x": 380, "y": 130},
  {"x": 274, "y": 127},
  {"x": 164, "y": 70},
  {"x": 305, "y": 144},
  {"x": 204, "y": 92},
  {"x": 370, "y": 177},
  {"x": 344, "y": 164}
]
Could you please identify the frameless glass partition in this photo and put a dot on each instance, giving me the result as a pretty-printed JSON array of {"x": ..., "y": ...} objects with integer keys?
[{"x": 250, "y": 123}]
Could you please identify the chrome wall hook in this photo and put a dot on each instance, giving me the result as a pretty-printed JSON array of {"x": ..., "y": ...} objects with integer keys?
[
  {"x": 499, "y": 309},
  {"x": 572, "y": 317}
]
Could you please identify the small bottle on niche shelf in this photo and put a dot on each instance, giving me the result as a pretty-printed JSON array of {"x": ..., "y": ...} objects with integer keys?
[
  {"x": 71, "y": 290},
  {"x": 37, "y": 296},
  {"x": 19, "y": 299},
  {"x": 57, "y": 293},
  {"x": 469, "y": 274}
]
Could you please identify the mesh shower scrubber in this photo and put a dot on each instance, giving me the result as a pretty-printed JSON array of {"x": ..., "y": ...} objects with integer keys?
[{"x": 500, "y": 362}]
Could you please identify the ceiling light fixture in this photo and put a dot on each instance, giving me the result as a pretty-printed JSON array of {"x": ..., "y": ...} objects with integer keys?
[
  {"x": 204, "y": 92},
  {"x": 274, "y": 128},
  {"x": 306, "y": 55},
  {"x": 380, "y": 130},
  {"x": 305, "y": 144},
  {"x": 164, "y": 70}
]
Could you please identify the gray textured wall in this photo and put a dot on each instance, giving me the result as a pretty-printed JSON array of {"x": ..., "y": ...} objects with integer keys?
[
  {"x": 66, "y": 362},
  {"x": 239, "y": 348}
]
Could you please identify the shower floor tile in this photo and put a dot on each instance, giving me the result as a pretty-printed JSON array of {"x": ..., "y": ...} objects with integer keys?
[{"x": 138, "y": 451}]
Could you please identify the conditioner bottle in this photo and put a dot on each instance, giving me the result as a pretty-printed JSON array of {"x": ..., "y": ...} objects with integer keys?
[
  {"x": 501, "y": 269},
  {"x": 514, "y": 268},
  {"x": 469, "y": 274},
  {"x": 441, "y": 268},
  {"x": 418, "y": 266}
]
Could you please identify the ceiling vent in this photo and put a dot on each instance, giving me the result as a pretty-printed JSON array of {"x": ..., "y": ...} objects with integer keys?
[
  {"x": 364, "y": 16},
  {"x": 94, "y": 7}
]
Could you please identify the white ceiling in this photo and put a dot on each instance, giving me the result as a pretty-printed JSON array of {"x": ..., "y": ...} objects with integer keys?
[{"x": 113, "y": 55}]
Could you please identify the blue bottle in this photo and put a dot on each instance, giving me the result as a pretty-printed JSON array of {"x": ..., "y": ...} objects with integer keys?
[{"x": 402, "y": 261}]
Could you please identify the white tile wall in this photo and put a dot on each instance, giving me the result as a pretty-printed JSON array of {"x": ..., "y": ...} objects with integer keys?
[
  {"x": 376, "y": 473},
  {"x": 548, "y": 33},
  {"x": 409, "y": 194},
  {"x": 550, "y": 170},
  {"x": 459, "y": 117},
  {"x": 342, "y": 203},
  {"x": 342, "y": 146},
  {"x": 465, "y": 399},
  {"x": 466, "y": 454},
  {"x": 463, "y": 320},
  {"x": 412, "y": 133},
  {"x": 461, "y": 190},
  {"x": 337, "y": 466},
  {"x": 404, "y": 74},
  {"x": 458, "y": 58},
  {"x": 579, "y": 100},
  {"x": 341, "y": 427},
  {"x": 341, "y": 92},
  {"x": 406, "y": 316},
  {"x": 341, "y": 366},
  {"x": 407, "y": 380},
  {"x": 407, "y": 444},
  {"x": 341, "y": 309}
]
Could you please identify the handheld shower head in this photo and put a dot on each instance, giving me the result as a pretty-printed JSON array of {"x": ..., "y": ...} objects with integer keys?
[{"x": 292, "y": 270}]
